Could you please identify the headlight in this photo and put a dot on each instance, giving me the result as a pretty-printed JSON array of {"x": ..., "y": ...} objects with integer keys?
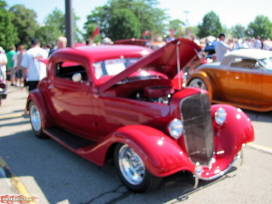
[
  {"x": 175, "y": 128},
  {"x": 220, "y": 116}
]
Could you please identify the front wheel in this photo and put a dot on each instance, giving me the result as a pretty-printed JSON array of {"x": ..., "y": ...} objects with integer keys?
[
  {"x": 198, "y": 83},
  {"x": 132, "y": 170},
  {"x": 36, "y": 120}
]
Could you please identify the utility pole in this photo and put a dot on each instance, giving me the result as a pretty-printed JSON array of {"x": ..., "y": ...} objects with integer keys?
[
  {"x": 69, "y": 23},
  {"x": 187, "y": 24}
]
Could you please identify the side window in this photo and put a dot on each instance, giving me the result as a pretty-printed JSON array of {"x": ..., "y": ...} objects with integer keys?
[
  {"x": 245, "y": 63},
  {"x": 67, "y": 69}
]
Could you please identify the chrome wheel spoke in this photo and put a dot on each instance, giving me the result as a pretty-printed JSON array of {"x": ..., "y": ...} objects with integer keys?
[
  {"x": 35, "y": 118},
  {"x": 131, "y": 165}
]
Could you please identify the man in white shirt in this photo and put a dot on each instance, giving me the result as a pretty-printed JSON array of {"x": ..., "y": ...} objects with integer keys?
[
  {"x": 258, "y": 43},
  {"x": 34, "y": 69},
  {"x": 221, "y": 48}
]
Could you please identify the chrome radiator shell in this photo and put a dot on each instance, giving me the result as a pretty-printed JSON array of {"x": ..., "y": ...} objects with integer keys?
[{"x": 198, "y": 129}]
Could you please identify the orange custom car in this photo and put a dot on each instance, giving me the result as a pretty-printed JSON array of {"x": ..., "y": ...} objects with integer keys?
[{"x": 242, "y": 79}]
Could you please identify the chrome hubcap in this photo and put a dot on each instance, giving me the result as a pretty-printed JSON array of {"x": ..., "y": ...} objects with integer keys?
[
  {"x": 198, "y": 83},
  {"x": 35, "y": 118},
  {"x": 131, "y": 165}
]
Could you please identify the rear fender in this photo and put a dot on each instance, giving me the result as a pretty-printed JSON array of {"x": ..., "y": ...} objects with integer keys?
[
  {"x": 161, "y": 154},
  {"x": 36, "y": 96}
]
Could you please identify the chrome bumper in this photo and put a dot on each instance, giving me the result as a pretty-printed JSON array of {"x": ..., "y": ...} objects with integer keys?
[{"x": 198, "y": 170}]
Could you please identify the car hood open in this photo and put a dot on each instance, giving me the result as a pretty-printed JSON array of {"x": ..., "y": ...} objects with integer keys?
[{"x": 163, "y": 60}]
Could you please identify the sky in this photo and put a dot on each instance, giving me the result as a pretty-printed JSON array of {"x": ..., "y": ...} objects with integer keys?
[{"x": 230, "y": 12}]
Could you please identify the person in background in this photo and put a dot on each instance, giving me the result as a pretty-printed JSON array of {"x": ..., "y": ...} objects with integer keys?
[
  {"x": 34, "y": 69},
  {"x": 90, "y": 42},
  {"x": 221, "y": 48},
  {"x": 46, "y": 47},
  {"x": 3, "y": 62},
  {"x": 258, "y": 43},
  {"x": 10, "y": 64},
  {"x": 61, "y": 43},
  {"x": 19, "y": 69}
]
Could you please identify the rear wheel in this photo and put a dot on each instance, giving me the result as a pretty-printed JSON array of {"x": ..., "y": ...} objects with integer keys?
[
  {"x": 36, "y": 120},
  {"x": 198, "y": 83},
  {"x": 132, "y": 170}
]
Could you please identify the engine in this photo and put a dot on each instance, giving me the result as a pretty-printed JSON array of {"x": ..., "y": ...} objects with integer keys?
[{"x": 158, "y": 94}]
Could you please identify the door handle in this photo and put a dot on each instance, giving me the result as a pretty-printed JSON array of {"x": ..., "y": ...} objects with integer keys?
[{"x": 51, "y": 87}]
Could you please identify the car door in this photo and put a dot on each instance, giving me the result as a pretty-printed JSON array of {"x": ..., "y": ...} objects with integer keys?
[
  {"x": 245, "y": 78},
  {"x": 71, "y": 100}
]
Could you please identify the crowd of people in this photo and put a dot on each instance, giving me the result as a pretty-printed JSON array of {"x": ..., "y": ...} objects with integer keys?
[
  {"x": 222, "y": 45},
  {"x": 24, "y": 66}
]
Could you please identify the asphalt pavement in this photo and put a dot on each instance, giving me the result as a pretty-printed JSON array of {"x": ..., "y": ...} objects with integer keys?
[{"x": 43, "y": 168}]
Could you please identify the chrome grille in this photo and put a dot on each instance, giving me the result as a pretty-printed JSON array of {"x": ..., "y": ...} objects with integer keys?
[{"x": 198, "y": 130}]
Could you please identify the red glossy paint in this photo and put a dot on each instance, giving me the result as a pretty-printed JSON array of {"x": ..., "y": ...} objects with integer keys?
[{"x": 131, "y": 108}]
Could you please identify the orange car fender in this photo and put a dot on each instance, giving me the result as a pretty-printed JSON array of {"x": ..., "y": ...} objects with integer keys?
[{"x": 206, "y": 78}]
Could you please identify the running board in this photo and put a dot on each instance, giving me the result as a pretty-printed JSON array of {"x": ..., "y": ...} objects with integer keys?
[{"x": 67, "y": 138}]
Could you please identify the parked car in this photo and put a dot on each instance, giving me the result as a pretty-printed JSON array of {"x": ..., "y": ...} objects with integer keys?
[
  {"x": 242, "y": 79},
  {"x": 118, "y": 102}
]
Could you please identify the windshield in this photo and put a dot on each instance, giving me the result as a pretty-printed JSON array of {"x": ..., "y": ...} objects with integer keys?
[
  {"x": 267, "y": 63},
  {"x": 112, "y": 66}
]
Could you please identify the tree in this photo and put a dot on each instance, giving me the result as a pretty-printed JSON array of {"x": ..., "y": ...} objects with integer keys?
[
  {"x": 8, "y": 34},
  {"x": 261, "y": 26},
  {"x": 238, "y": 31},
  {"x": 149, "y": 17},
  {"x": 123, "y": 24},
  {"x": 25, "y": 23},
  {"x": 177, "y": 26},
  {"x": 56, "y": 19},
  {"x": 193, "y": 30},
  {"x": 48, "y": 35},
  {"x": 55, "y": 23},
  {"x": 211, "y": 25}
]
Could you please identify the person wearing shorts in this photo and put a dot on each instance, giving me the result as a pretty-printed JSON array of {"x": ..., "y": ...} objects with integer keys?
[
  {"x": 10, "y": 64},
  {"x": 19, "y": 68}
]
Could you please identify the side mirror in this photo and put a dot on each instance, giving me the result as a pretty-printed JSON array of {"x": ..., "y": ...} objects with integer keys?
[{"x": 76, "y": 77}]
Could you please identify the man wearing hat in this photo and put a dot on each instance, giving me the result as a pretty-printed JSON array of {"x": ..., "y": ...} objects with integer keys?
[
  {"x": 33, "y": 69},
  {"x": 221, "y": 48}
]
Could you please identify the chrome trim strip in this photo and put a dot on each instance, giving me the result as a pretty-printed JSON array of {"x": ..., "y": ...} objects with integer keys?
[{"x": 197, "y": 174}]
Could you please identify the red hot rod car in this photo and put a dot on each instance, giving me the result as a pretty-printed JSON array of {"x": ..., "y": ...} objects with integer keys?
[{"x": 118, "y": 102}]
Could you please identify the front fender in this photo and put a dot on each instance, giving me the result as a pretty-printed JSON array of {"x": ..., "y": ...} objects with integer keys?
[
  {"x": 161, "y": 154},
  {"x": 37, "y": 97},
  {"x": 228, "y": 140},
  {"x": 236, "y": 131}
]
